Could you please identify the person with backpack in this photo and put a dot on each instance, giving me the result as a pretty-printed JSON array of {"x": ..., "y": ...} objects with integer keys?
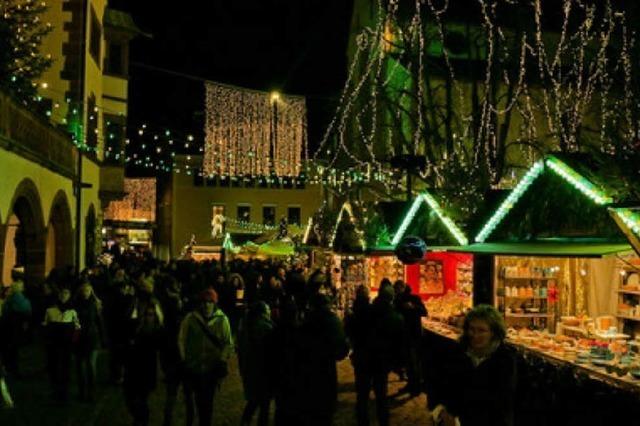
[{"x": 205, "y": 344}]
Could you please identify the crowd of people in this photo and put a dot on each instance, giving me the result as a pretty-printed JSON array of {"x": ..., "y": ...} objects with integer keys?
[{"x": 191, "y": 318}]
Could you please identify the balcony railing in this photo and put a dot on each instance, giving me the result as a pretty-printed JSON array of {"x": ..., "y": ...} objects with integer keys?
[{"x": 35, "y": 139}]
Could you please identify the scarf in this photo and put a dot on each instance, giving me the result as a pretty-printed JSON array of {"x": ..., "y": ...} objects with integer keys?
[{"x": 478, "y": 358}]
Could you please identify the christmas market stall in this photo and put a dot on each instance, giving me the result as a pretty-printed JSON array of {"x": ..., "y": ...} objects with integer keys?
[
  {"x": 553, "y": 260},
  {"x": 442, "y": 278},
  {"x": 380, "y": 219},
  {"x": 347, "y": 263}
]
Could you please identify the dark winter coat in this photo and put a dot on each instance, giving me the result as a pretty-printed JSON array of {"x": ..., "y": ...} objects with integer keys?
[
  {"x": 412, "y": 310},
  {"x": 385, "y": 337},
  {"x": 120, "y": 323},
  {"x": 482, "y": 395},
  {"x": 255, "y": 356},
  {"x": 357, "y": 327},
  {"x": 90, "y": 335},
  {"x": 140, "y": 371},
  {"x": 324, "y": 342}
]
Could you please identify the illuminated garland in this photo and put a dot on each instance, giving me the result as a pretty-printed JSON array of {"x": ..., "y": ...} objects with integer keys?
[
  {"x": 513, "y": 197},
  {"x": 578, "y": 181},
  {"x": 347, "y": 208},
  {"x": 630, "y": 218},
  {"x": 427, "y": 198},
  {"x": 561, "y": 169},
  {"x": 549, "y": 114},
  {"x": 240, "y": 226}
]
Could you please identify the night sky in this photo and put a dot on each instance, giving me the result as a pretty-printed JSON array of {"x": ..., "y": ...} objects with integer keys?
[{"x": 294, "y": 46}]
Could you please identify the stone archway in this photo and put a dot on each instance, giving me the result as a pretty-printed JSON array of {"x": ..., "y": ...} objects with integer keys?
[
  {"x": 59, "y": 239},
  {"x": 90, "y": 238},
  {"x": 25, "y": 235}
]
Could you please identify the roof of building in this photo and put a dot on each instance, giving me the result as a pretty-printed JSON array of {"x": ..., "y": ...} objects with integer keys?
[
  {"x": 551, "y": 248},
  {"x": 121, "y": 20}
]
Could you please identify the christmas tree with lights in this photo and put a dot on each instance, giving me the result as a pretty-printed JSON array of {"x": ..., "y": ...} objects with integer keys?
[{"x": 21, "y": 33}]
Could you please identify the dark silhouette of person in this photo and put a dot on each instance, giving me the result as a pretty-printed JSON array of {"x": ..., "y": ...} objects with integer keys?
[
  {"x": 412, "y": 310},
  {"x": 377, "y": 336},
  {"x": 255, "y": 356},
  {"x": 324, "y": 343}
]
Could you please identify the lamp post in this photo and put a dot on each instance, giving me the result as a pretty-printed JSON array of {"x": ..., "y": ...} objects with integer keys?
[
  {"x": 275, "y": 97},
  {"x": 410, "y": 163}
]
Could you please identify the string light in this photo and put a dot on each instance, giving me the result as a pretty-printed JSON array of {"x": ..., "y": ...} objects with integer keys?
[
  {"x": 138, "y": 205},
  {"x": 579, "y": 182},
  {"x": 348, "y": 209},
  {"x": 630, "y": 218},
  {"x": 253, "y": 133},
  {"x": 572, "y": 86},
  {"x": 427, "y": 198},
  {"x": 558, "y": 167},
  {"x": 513, "y": 197}
]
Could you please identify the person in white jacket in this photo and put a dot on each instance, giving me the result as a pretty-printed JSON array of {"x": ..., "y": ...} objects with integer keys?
[{"x": 205, "y": 344}]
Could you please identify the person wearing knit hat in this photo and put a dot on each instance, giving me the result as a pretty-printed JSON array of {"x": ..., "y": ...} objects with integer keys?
[
  {"x": 205, "y": 344},
  {"x": 209, "y": 295}
]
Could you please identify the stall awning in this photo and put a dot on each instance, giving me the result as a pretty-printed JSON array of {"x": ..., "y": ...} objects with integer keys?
[{"x": 548, "y": 249}]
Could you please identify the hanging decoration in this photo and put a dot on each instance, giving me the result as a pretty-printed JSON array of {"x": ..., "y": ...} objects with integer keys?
[
  {"x": 138, "y": 205},
  {"x": 253, "y": 133},
  {"x": 535, "y": 89}
]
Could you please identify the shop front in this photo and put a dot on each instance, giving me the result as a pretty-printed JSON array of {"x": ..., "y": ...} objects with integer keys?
[
  {"x": 443, "y": 279},
  {"x": 556, "y": 265}
]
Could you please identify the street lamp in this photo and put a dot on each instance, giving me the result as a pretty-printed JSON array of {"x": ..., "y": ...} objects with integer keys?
[
  {"x": 410, "y": 163},
  {"x": 275, "y": 97}
]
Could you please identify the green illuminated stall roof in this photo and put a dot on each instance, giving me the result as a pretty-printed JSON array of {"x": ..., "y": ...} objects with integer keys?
[
  {"x": 628, "y": 220},
  {"x": 560, "y": 168},
  {"x": 347, "y": 209},
  {"x": 427, "y": 198},
  {"x": 548, "y": 249}
]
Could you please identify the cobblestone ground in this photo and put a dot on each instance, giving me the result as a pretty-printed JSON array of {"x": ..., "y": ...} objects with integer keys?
[{"x": 34, "y": 407}]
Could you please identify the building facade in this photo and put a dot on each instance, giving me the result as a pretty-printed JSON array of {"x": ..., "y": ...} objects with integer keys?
[
  {"x": 188, "y": 203},
  {"x": 52, "y": 193}
]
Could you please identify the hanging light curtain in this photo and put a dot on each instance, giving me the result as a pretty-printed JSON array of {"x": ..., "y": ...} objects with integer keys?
[{"x": 252, "y": 133}]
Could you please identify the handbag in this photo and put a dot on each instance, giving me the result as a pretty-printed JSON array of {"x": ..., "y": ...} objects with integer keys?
[{"x": 220, "y": 368}]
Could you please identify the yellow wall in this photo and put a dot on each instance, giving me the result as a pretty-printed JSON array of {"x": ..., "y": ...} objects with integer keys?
[
  {"x": 93, "y": 72},
  {"x": 52, "y": 44},
  {"x": 192, "y": 206},
  {"x": 116, "y": 87},
  {"x": 15, "y": 169},
  {"x": 90, "y": 174}
]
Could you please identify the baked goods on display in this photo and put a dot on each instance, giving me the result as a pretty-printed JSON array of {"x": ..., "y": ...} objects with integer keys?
[
  {"x": 384, "y": 267},
  {"x": 449, "y": 306}
]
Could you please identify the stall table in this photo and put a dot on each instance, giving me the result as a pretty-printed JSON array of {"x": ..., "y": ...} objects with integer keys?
[{"x": 552, "y": 389}]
